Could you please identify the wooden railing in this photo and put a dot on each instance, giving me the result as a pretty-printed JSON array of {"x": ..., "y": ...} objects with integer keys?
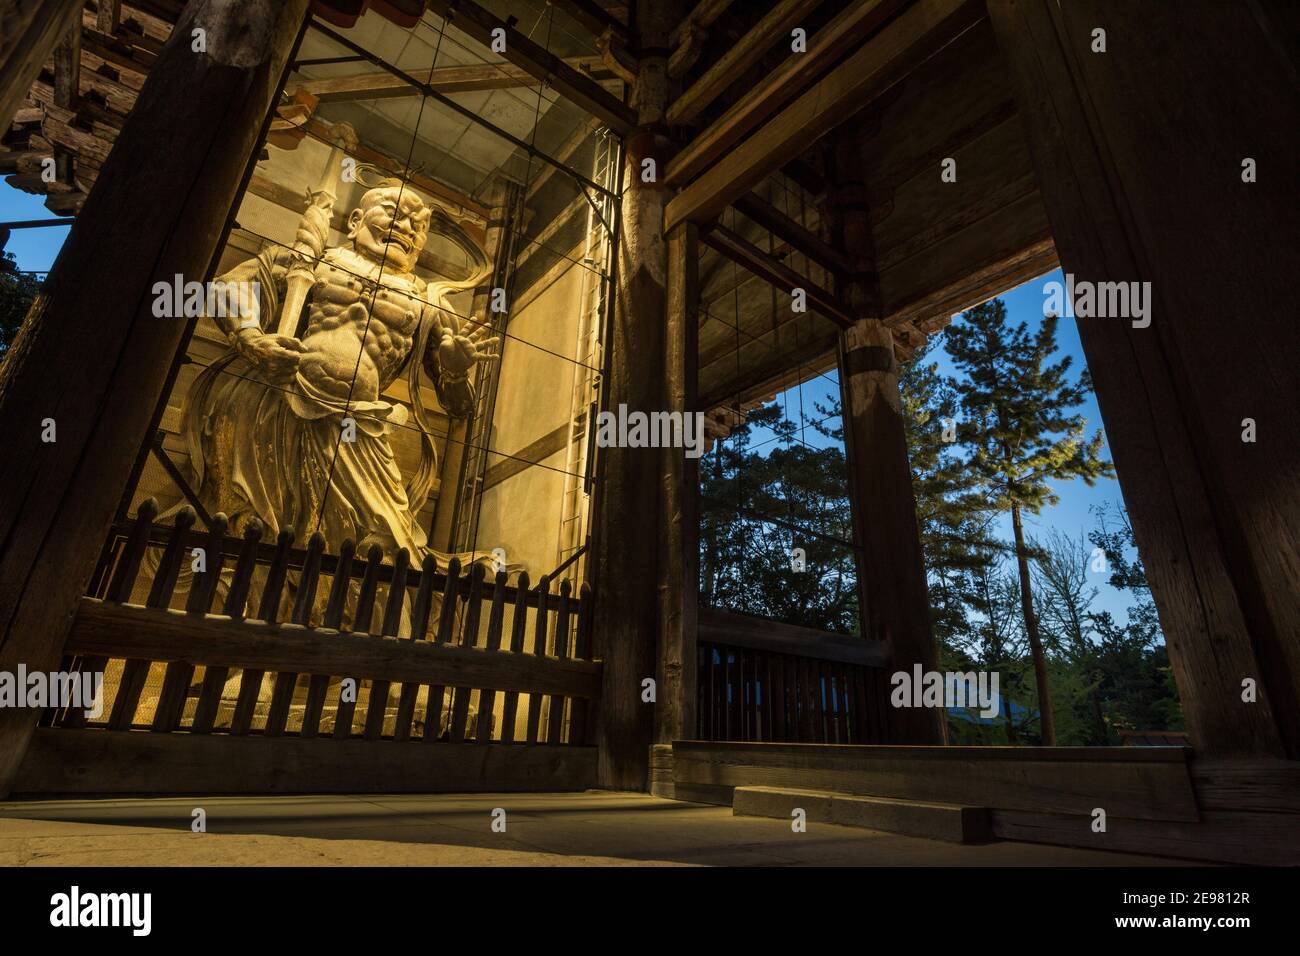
[
  {"x": 301, "y": 645},
  {"x": 761, "y": 680}
]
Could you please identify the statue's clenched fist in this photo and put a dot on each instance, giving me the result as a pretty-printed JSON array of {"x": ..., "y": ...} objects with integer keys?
[{"x": 278, "y": 354}]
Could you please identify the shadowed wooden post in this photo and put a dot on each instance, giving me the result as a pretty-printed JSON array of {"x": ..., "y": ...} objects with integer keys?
[
  {"x": 92, "y": 356},
  {"x": 555, "y": 722},
  {"x": 1140, "y": 155},
  {"x": 541, "y": 625},
  {"x": 250, "y": 682},
  {"x": 203, "y": 584},
  {"x": 214, "y": 677},
  {"x": 136, "y": 672},
  {"x": 679, "y": 481},
  {"x": 423, "y": 606},
  {"x": 517, "y": 625},
  {"x": 469, "y": 638},
  {"x": 362, "y": 623},
  {"x": 377, "y": 706},
  {"x": 626, "y": 625},
  {"x": 496, "y": 617},
  {"x": 318, "y": 686},
  {"x": 582, "y": 651},
  {"x": 894, "y": 601},
  {"x": 119, "y": 589},
  {"x": 304, "y": 600},
  {"x": 446, "y": 624}
]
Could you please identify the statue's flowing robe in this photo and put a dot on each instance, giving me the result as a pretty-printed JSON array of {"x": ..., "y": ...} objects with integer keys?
[{"x": 274, "y": 450}]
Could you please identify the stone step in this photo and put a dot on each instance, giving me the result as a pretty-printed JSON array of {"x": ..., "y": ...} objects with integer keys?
[{"x": 935, "y": 821}]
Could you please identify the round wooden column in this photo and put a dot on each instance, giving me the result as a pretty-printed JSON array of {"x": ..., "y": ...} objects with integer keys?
[{"x": 92, "y": 356}]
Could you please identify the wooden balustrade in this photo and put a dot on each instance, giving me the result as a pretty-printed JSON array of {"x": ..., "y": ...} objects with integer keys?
[
  {"x": 335, "y": 635},
  {"x": 760, "y": 680}
]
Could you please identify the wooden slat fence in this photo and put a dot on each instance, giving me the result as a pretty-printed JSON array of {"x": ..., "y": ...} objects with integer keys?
[
  {"x": 272, "y": 640},
  {"x": 765, "y": 681}
]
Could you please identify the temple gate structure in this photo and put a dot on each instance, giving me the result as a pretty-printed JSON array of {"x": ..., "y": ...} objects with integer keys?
[{"x": 352, "y": 503}]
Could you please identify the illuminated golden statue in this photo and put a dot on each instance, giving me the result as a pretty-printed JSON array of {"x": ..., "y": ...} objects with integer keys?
[{"x": 294, "y": 430}]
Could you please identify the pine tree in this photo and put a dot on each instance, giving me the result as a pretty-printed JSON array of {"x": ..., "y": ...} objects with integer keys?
[
  {"x": 17, "y": 290},
  {"x": 1021, "y": 435},
  {"x": 952, "y": 513}
]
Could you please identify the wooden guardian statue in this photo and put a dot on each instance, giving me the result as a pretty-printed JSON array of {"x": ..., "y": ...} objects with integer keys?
[{"x": 294, "y": 429}]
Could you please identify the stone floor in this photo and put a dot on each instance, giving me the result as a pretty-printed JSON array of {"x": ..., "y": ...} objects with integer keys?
[{"x": 555, "y": 829}]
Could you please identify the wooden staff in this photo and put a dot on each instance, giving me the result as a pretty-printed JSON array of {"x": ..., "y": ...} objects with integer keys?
[{"x": 313, "y": 229}]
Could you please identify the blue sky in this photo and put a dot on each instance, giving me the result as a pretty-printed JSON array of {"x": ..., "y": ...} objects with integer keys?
[
  {"x": 36, "y": 250},
  {"x": 1071, "y": 515}
]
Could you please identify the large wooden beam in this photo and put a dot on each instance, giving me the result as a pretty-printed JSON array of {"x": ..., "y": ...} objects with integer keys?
[
  {"x": 777, "y": 24},
  {"x": 98, "y": 762},
  {"x": 120, "y": 631},
  {"x": 777, "y": 273},
  {"x": 593, "y": 17},
  {"x": 108, "y": 16},
  {"x": 679, "y": 478},
  {"x": 626, "y": 611},
  {"x": 891, "y": 54},
  {"x": 160, "y": 209},
  {"x": 1216, "y": 518},
  {"x": 801, "y": 239},
  {"x": 813, "y": 354},
  {"x": 779, "y": 87},
  {"x": 1132, "y": 783},
  {"x": 447, "y": 79},
  {"x": 582, "y": 90},
  {"x": 893, "y": 599},
  {"x": 742, "y": 630},
  {"x": 28, "y": 34},
  {"x": 705, "y": 12}
]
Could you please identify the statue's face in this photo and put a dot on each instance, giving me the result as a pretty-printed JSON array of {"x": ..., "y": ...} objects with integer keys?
[{"x": 382, "y": 210}]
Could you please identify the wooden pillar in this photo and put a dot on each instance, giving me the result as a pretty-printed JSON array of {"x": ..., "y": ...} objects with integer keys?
[
  {"x": 1140, "y": 152},
  {"x": 679, "y": 519},
  {"x": 29, "y": 32},
  {"x": 626, "y": 615},
  {"x": 92, "y": 357},
  {"x": 451, "y": 469},
  {"x": 892, "y": 593}
]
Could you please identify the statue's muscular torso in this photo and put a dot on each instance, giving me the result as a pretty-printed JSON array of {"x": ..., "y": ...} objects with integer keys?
[{"x": 347, "y": 335}]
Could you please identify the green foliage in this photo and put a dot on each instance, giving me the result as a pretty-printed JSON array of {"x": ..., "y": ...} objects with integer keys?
[
  {"x": 757, "y": 505},
  {"x": 1016, "y": 405},
  {"x": 1105, "y": 676},
  {"x": 17, "y": 290}
]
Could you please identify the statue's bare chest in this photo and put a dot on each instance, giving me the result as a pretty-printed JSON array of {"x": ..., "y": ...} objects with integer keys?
[{"x": 344, "y": 296}]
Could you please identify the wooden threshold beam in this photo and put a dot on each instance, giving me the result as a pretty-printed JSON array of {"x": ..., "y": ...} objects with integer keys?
[
  {"x": 786, "y": 229},
  {"x": 779, "y": 274},
  {"x": 100, "y": 761},
  {"x": 582, "y": 90},
  {"x": 916, "y": 34},
  {"x": 777, "y": 24},
  {"x": 824, "y": 49},
  {"x": 451, "y": 79}
]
